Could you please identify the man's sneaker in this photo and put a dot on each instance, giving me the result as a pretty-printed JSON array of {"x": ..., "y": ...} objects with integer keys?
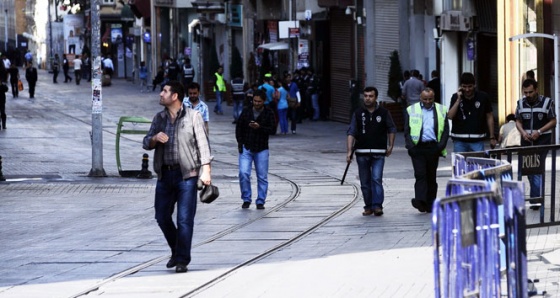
[
  {"x": 260, "y": 206},
  {"x": 377, "y": 211},
  {"x": 246, "y": 205},
  {"x": 367, "y": 212}
]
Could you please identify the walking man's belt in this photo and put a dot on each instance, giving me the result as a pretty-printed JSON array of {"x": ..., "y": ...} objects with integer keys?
[
  {"x": 378, "y": 151},
  {"x": 170, "y": 167}
]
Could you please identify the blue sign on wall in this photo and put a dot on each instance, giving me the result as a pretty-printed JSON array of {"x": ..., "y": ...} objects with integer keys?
[{"x": 236, "y": 16}]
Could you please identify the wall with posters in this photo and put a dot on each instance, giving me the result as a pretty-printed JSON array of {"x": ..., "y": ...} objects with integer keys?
[{"x": 73, "y": 34}]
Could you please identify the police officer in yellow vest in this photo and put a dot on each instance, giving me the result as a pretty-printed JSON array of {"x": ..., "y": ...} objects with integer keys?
[
  {"x": 219, "y": 89},
  {"x": 426, "y": 132}
]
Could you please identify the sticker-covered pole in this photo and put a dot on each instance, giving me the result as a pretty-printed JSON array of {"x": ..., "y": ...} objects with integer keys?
[{"x": 96, "y": 98}]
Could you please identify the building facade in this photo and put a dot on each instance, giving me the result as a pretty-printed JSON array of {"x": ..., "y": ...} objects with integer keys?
[{"x": 347, "y": 42}]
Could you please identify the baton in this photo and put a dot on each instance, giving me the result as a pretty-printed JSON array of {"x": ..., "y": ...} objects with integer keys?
[{"x": 347, "y": 166}]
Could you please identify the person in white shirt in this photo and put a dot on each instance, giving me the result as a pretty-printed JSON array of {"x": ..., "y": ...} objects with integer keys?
[
  {"x": 78, "y": 69},
  {"x": 108, "y": 66},
  {"x": 6, "y": 61}
]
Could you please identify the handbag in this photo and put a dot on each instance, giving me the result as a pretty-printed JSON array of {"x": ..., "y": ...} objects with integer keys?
[
  {"x": 292, "y": 102},
  {"x": 20, "y": 85},
  {"x": 208, "y": 193}
]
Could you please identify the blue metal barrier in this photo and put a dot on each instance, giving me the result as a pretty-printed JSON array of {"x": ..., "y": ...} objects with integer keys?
[
  {"x": 531, "y": 160},
  {"x": 479, "y": 230}
]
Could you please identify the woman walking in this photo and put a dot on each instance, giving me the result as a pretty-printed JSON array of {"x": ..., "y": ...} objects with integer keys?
[{"x": 14, "y": 79}]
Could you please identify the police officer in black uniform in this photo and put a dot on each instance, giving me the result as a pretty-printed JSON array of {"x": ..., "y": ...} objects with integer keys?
[
  {"x": 172, "y": 70},
  {"x": 187, "y": 73},
  {"x": 535, "y": 119},
  {"x": 371, "y": 136}
]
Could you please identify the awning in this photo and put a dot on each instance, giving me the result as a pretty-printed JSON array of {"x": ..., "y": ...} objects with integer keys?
[
  {"x": 31, "y": 36},
  {"x": 275, "y": 46},
  {"x": 140, "y": 8}
]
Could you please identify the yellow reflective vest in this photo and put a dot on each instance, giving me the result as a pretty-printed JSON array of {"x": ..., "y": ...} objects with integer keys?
[
  {"x": 220, "y": 83},
  {"x": 415, "y": 122}
]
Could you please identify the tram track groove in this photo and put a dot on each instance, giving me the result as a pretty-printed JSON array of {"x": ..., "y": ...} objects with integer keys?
[{"x": 301, "y": 182}]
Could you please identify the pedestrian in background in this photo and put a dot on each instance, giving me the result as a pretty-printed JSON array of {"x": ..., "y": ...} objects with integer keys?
[
  {"x": 471, "y": 116},
  {"x": 108, "y": 67},
  {"x": 294, "y": 94},
  {"x": 238, "y": 88},
  {"x": 535, "y": 120},
  {"x": 426, "y": 132},
  {"x": 509, "y": 135},
  {"x": 299, "y": 79},
  {"x": 249, "y": 96},
  {"x": 252, "y": 131},
  {"x": 282, "y": 107},
  {"x": 219, "y": 89},
  {"x": 406, "y": 77},
  {"x": 7, "y": 62},
  {"x": 195, "y": 102},
  {"x": 158, "y": 79},
  {"x": 371, "y": 136},
  {"x": 143, "y": 76},
  {"x": 3, "y": 90},
  {"x": 65, "y": 69},
  {"x": 86, "y": 68},
  {"x": 182, "y": 155},
  {"x": 14, "y": 79},
  {"x": 172, "y": 70},
  {"x": 187, "y": 72},
  {"x": 78, "y": 69},
  {"x": 31, "y": 77},
  {"x": 412, "y": 88},
  {"x": 268, "y": 87},
  {"x": 435, "y": 84},
  {"x": 313, "y": 90},
  {"x": 28, "y": 57},
  {"x": 55, "y": 65}
]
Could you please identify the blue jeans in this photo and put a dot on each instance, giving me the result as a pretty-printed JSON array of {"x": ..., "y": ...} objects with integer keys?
[
  {"x": 370, "y": 169},
  {"x": 460, "y": 146},
  {"x": 315, "y": 103},
  {"x": 237, "y": 107},
  {"x": 218, "y": 107},
  {"x": 171, "y": 189},
  {"x": 261, "y": 167},
  {"x": 283, "y": 119},
  {"x": 535, "y": 183}
]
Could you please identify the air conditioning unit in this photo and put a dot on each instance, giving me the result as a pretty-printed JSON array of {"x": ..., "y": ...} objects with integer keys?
[{"x": 454, "y": 21}]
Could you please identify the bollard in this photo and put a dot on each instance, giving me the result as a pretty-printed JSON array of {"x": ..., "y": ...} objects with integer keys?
[
  {"x": 145, "y": 173},
  {"x": 2, "y": 178}
]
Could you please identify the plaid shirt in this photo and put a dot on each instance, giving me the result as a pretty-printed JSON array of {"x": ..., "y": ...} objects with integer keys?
[
  {"x": 255, "y": 140},
  {"x": 202, "y": 107},
  {"x": 170, "y": 149}
]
